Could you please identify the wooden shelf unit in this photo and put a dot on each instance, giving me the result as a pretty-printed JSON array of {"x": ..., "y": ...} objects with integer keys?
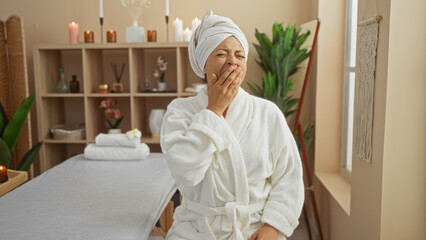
[{"x": 91, "y": 64}]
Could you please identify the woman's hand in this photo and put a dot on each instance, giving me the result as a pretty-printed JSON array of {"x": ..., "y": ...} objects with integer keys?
[
  {"x": 266, "y": 232},
  {"x": 223, "y": 90}
]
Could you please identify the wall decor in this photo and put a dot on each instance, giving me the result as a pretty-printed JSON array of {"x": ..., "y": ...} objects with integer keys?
[{"x": 367, "y": 41}]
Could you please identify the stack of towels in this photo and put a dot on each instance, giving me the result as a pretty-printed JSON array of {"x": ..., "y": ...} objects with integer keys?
[{"x": 123, "y": 146}]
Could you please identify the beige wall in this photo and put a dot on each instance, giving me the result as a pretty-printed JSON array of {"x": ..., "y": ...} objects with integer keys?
[
  {"x": 388, "y": 196},
  {"x": 46, "y": 21},
  {"x": 404, "y": 164}
]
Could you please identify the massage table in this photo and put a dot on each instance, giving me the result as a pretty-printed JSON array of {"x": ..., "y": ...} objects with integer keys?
[{"x": 86, "y": 199}]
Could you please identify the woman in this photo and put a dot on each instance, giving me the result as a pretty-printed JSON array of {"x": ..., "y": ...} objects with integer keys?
[{"x": 234, "y": 159}]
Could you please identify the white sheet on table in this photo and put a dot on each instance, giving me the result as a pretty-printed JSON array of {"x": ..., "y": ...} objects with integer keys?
[{"x": 80, "y": 199}]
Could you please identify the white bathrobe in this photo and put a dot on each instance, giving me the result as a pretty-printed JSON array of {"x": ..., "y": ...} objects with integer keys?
[{"x": 234, "y": 173}]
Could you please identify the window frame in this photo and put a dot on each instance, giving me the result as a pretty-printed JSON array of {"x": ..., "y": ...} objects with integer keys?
[{"x": 349, "y": 69}]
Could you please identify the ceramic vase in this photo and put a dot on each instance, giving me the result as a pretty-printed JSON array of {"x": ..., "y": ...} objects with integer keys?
[
  {"x": 135, "y": 33},
  {"x": 155, "y": 121},
  {"x": 114, "y": 131},
  {"x": 162, "y": 86}
]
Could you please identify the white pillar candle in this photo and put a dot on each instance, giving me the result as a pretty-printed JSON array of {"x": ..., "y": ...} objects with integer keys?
[
  {"x": 101, "y": 9},
  {"x": 177, "y": 27},
  {"x": 187, "y": 35},
  {"x": 73, "y": 32},
  {"x": 167, "y": 8},
  {"x": 195, "y": 23}
]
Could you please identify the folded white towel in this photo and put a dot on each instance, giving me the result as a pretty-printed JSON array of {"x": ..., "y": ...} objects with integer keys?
[
  {"x": 93, "y": 152},
  {"x": 130, "y": 139}
]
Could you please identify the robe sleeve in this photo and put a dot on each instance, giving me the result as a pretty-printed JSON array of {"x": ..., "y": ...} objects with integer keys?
[
  {"x": 286, "y": 198},
  {"x": 189, "y": 142}
]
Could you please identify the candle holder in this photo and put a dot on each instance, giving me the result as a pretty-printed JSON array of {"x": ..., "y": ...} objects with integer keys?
[
  {"x": 89, "y": 37},
  {"x": 101, "y": 20},
  {"x": 3, "y": 174},
  {"x": 111, "y": 36},
  {"x": 103, "y": 88},
  {"x": 152, "y": 36},
  {"x": 167, "y": 27}
]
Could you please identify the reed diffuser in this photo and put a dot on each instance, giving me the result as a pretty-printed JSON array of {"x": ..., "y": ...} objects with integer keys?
[{"x": 118, "y": 71}]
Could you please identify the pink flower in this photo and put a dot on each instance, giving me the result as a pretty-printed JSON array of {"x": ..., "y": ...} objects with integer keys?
[
  {"x": 117, "y": 113},
  {"x": 110, "y": 112},
  {"x": 104, "y": 104}
]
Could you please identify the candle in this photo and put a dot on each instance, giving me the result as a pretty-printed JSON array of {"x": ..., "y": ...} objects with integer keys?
[
  {"x": 195, "y": 23},
  {"x": 177, "y": 27},
  {"x": 3, "y": 174},
  {"x": 152, "y": 36},
  {"x": 73, "y": 30},
  {"x": 187, "y": 35},
  {"x": 89, "y": 37},
  {"x": 111, "y": 36},
  {"x": 167, "y": 8},
  {"x": 103, "y": 88},
  {"x": 101, "y": 9}
]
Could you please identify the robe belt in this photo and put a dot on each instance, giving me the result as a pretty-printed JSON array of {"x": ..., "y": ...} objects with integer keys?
[{"x": 231, "y": 210}]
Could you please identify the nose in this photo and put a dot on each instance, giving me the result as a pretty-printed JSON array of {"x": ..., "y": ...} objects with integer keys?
[{"x": 232, "y": 60}]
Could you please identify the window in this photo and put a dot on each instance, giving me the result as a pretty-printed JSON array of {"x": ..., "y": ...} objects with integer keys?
[{"x": 349, "y": 85}]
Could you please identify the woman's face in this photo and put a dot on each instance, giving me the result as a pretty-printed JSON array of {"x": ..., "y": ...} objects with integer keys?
[{"x": 229, "y": 52}]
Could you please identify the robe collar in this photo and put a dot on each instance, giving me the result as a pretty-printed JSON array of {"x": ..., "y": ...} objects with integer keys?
[{"x": 239, "y": 112}]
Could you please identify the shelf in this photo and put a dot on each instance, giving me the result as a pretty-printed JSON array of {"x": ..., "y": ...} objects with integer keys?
[
  {"x": 109, "y": 45},
  {"x": 54, "y": 59},
  {"x": 92, "y": 65},
  {"x": 155, "y": 95},
  {"x": 56, "y": 141},
  {"x": 62, "y": 95},
  {"x": 106, "y": 95},
  {"x": 150, "y": 140}
]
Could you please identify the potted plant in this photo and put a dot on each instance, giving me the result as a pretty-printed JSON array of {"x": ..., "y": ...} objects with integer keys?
[
  {"x": 112, "y": 114},
  {"x": 279, "y": 59},
  {"x": 9, "y": 134},
  {"x": 159, "y": 73}
]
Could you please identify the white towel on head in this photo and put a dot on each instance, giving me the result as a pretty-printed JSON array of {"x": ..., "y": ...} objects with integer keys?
[
  {"x": 93, "y": 152},
  {"x": 208, "y": 35}
]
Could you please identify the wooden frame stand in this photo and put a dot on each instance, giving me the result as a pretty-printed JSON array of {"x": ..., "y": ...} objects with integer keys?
[{"x": 298, "y": 129}]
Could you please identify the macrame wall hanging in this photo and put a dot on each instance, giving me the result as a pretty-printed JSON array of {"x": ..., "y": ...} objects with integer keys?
[{"x": 368, "y": 31}]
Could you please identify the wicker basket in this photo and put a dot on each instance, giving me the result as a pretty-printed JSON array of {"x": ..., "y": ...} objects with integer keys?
[{"x": 68, "y": 131}]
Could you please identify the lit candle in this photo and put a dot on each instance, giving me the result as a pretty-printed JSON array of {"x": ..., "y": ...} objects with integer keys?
[
  {"x": 177, "y": 27},
  {"x": 73, "y": 30},
  {"x": 187, "y": 35},
  {"x": 195, "y": 23},
  {"x": 89, "y": 37},
  {"x": 167, "y": 8},
  {"x": 3, "y": 174},
  {"x": 101, "y": 9},
  {"x": 152, "y": 36},
  {"x": 111, "y": 36}
]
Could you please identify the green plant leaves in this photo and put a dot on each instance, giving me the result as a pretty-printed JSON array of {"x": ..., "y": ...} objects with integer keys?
[
  {"x": 279, "y": 60},
  {"x": 14, "y": 128},
  {"x": 5, "y": 155},
  {"x": 3, "y": 120},
  {"x": 29, "y": 157}
]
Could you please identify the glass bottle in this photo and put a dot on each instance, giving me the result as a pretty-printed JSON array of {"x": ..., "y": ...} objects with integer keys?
[
  {"x": 62, "y": 84},
  {"x": 74, "y": 85}
]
